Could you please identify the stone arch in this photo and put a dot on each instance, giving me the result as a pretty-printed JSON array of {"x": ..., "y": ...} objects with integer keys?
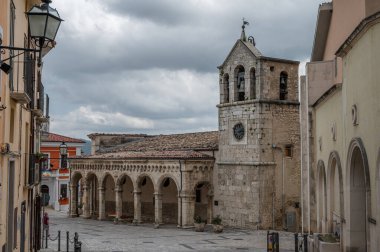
[
  {"x": 125, "y": 186},
  {"x": 252, "y": 83},
  {"x": 161, "y": 179},
  {"x": 108, "y": 187},
  {"x": 239, "y": 83},
  {"x": 75, "y": 177},
  {"x": 204, "y": 194},
  {"x": 321, "y": 197},
  {"x": 283, "y": 85},
  {"x": 140, "y": 178},
  {"x": 166, "y": 208},
  {"x": 226, "y": 88},
  {"x": 91, "y": 199},
  {"x": 336, "y": 194},
  {"x": 74, "y": 193},
  {"x": 103, "y": 177},
  {"x": 359, "y": 196},
  {"x": 146, "y": 188}
]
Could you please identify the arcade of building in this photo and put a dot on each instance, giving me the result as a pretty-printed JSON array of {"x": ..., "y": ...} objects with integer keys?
[{"x": 151, "y": 185}]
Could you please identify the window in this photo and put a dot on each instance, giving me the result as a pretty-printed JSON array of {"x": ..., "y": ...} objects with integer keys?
[
  {"x": 63, "y": 191},
  {"x": 253, "y": 84},
  {"x": 283, "y": 85},
  {"x": 240, "y": 84},
  {"x": 226, "y": 85},
  {"x": 198, "y": 196},
  {"x": 288, "y": 151}
]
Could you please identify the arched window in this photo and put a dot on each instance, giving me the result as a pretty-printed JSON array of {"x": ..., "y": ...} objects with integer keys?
[
  {"x": 253, "y": 83},
  {"x": 239, "y": 84},
  {"x": 283, "y": 86},
  {"x": 226, "y": 87}
]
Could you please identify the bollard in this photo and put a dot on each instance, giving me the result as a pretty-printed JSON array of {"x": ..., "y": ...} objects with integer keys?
[
  {"x": 59, "y": 240},
  {"x": 77, "y": 243},
  {"x": 305, "y": 242},
  {"x": 67, "y": 241},
  {"x": 46, "y": 237},
  {"x": 296, "y": 242}
]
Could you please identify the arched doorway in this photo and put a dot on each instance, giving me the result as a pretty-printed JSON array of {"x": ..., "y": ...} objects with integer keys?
[
  {"x": 359, "y": 196},
  {"x": 75, "y": 200},
  {"x": 93, "y": 196},
  {"x": 203, "y": 201},
  {"x": 127, "y": 205},
  {"x": 147, "y": 198},
  {"x": 169, "y": 193},
  {"x": 336, "y": 197},
  {"x": 321, "y": 197},
  {"x": 109, "y": 196}
]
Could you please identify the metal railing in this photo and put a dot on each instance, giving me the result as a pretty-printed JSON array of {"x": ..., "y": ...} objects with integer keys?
[{"x": 74, "y": 243}]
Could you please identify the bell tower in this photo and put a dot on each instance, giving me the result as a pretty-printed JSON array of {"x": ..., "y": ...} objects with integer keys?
[{"x": 259, "y": 153}]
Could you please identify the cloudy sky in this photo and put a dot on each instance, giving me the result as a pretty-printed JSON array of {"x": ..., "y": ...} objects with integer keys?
[{"x": 149, "y": 66}]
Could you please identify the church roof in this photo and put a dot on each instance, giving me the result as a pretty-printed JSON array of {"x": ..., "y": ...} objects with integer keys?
[
  {"x": 184, "y": 146},
  {"x": 51, "y": 137},
  {"x": 255, "y": 52}
]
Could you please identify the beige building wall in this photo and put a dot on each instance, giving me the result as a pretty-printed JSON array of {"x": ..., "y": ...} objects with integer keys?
[{"x": 345, "y": 117}]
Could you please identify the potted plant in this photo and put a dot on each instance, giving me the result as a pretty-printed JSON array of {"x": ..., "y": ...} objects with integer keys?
[
  {"x": 199, "y": 224},
  {"x": 39, "y": 157},
  {"x": 217, "y": 224},
  {"x": 115, "y": 220}
]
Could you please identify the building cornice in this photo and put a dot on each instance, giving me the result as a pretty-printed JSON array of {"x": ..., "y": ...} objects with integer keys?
[{"x": 359, "y": 31}]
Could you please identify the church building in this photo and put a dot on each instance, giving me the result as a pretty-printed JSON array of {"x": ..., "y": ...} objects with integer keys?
[{"x": 248, "y": 171}]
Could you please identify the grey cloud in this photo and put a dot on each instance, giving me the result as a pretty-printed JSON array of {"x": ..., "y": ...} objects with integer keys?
[{"x": 139, "y": 58}]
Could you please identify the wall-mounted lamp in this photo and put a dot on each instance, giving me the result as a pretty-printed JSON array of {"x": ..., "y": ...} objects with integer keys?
[
  {"x": 43, "y": 24},
  {"x": 5, "y": 67}
]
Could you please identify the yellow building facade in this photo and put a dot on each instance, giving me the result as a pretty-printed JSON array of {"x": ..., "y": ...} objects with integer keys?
[{"x": 23, "y": 110}]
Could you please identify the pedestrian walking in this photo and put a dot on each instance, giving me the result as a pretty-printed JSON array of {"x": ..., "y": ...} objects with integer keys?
[{"x": 45, "y": 221}]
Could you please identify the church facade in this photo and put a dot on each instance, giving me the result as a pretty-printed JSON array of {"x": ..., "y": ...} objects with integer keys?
[{"x": 248, "y": 171}]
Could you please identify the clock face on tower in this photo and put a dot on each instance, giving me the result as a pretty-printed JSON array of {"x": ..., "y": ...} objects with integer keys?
[{"x": 238, "y": 131}]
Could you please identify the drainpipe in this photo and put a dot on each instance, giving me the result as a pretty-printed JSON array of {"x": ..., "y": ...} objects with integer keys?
[{"x": 180, "y": 192}]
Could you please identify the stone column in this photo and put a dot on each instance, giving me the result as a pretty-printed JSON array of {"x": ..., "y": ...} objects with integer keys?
[
  {"x": 86, "y": 205},
  {"x": 137, "y": 206},
  {"x": 73, "y": 201},
  {"x": 158, "y": 208},
  {"x": 102, "y": 204},
  {"x": 119, "y": 202},
  {"x": 188, "y": 208},
  {"x": 179, "y": 211}
]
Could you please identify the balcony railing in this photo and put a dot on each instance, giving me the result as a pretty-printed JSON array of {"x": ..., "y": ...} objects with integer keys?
[{"x": 21, "y": 89}]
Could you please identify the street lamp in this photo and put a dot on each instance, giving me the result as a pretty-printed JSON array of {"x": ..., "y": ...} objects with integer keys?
[
  {"x": 43, "y": 24},
  {"x": 63, "y": 149}
]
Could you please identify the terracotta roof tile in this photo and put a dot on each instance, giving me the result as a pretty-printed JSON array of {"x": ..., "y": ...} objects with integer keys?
[
  {"x": 187, "y": 141},
  {"x": 51, "y": 137},
  {"x": 176, "y": 146}
]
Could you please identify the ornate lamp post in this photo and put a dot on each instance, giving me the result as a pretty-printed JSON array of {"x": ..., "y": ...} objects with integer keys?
[
  {"x": 63, "y": 152},
  {"x": 43, "y": 24}
]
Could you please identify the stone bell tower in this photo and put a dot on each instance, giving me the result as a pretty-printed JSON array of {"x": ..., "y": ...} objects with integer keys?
[{"x": 257, "y": 175}]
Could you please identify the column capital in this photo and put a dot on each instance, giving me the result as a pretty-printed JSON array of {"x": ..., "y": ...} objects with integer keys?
[
  {"x": 118, "y": 190},
  {"x": 137, "y": 192},
  {"x": 101, "y": 189}
]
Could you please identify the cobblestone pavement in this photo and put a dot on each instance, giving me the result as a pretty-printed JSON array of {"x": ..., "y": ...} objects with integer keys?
[{"x": 105, "y": 236}]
